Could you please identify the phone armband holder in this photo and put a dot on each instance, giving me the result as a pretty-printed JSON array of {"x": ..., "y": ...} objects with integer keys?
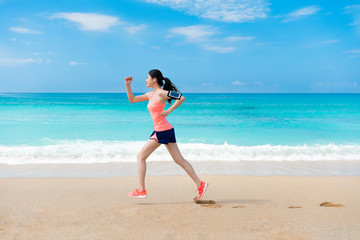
[{"x": 174, "y": 95}]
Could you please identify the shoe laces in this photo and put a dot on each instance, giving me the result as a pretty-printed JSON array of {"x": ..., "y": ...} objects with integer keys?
[{"x": 137, "y": 191}]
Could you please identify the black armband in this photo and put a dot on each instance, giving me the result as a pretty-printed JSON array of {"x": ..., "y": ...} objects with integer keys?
[{"x": 174, "y": 95}]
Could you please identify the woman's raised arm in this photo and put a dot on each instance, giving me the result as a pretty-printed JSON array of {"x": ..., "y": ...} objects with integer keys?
[{"x": 131, "y": 97}]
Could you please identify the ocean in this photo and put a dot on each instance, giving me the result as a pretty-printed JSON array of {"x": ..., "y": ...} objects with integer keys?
[{"x": 82, "y": 128}]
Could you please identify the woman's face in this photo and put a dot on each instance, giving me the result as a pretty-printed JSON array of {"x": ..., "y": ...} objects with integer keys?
[{"x": 150, "y": 81}]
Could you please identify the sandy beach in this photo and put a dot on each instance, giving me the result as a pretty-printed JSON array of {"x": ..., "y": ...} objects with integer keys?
[{"x": 243, "y": 207}]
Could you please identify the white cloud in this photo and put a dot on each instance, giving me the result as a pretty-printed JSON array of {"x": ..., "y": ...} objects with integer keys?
[
  {"x": 356, "y": 51},
  {"x": 219, "y": 49},
  {"x": 155, "y": 47},
  {"x": 335, "y": 86},
  {"x": 354, "y": 23},
  {"x": 207, "y": 84},
  {"x": 182, "y": 59},
  {"x": 44, "y": 53},
  {"x": 201, "y": 34},
  {"x": 259, "y": 84},
  {"x": 353, "y": 53},
  {"x": 237, "y": 38},
  {"x": 351, "y": 8},
  {"x": 16, "y": 62},
  {"x": 90, "y": 21},
  {"x": 237, "y": 83},
  {"x": 303, "y": 12},
  {"x": 73, "y": 63},
  {"x": 268, "y": 43},
  {"x": 135, "y": 29},
  {"x": 19, "y": 41},
  {"x": 330, "y": 41},
  {"x": 195, "y": 33},
  {"x": 219, "y": 10},
  {"x": 24, "y": 30},
  {"x": 354, "y": 10}
]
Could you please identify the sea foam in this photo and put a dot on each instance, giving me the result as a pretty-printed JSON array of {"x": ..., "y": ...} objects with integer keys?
[{"x": 84, "y": 152}]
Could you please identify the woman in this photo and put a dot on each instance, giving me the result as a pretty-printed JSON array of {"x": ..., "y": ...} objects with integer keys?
[{"x": 164, "y": 132}]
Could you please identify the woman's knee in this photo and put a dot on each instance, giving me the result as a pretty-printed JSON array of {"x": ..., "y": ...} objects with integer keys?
[
  {"x": 140, "y": 157},
  {"x": 179, "y": 161}
]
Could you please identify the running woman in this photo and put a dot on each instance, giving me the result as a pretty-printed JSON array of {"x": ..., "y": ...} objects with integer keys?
[{"x": 163, "y": 131}]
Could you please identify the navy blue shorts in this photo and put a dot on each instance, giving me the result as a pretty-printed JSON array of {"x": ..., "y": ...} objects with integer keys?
[{"x": 164, "y": 137}]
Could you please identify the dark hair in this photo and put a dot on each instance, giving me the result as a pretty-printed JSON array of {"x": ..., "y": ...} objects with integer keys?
[{"x": 169, "y": 86}]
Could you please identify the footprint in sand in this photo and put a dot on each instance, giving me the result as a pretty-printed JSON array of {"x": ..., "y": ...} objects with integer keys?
[
  {"x": 238, "y": 207},
  {"x": 295, "y": 207},
  {"x": 207, "y": 203},
  {"x": 330, "y": 204}
]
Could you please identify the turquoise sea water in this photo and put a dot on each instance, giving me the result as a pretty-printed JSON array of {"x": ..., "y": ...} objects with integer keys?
[{"x": 96, "y": 128}]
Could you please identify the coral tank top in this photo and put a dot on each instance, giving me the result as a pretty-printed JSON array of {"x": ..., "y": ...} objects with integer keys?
[{"x": 155, "y": 108}]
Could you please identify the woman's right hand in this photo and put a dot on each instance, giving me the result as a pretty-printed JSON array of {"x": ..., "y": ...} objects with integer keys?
[{"x": 128, "y": 80}]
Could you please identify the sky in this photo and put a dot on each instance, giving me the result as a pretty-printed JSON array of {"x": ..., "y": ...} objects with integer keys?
[{"x": 229, "y": 46}]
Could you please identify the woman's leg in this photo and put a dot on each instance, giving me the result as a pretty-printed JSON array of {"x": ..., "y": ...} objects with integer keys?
[
  {"x": 178, "y": 158},
  {"x": 144, "y": 153}
]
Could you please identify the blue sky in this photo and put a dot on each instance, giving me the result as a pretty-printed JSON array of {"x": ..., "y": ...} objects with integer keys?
[{"x": 202, "y": 46}]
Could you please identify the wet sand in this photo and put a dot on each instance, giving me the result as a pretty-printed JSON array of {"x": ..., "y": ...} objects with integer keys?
[
  {"x": 241, "y": 207},
  {"x": 169, "y": 168}
]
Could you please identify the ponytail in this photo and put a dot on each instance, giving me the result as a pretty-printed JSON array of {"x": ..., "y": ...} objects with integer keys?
[{"x": 168, "y": 86}]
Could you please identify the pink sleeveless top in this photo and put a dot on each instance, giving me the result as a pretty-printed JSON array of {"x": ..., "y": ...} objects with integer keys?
[{"x": 155, "y": 108}]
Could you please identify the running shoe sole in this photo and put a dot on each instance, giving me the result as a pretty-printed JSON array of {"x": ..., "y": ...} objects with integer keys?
[{"x": 138, "y": 197}]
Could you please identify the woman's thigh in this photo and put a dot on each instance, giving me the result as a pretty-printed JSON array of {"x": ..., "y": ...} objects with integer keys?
[
  {"x": 148, "y": 148},
  {"x": 174, "y": 151}
]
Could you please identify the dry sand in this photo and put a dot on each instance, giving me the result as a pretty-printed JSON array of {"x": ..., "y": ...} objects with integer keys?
[{"x": 241, "y": 208}]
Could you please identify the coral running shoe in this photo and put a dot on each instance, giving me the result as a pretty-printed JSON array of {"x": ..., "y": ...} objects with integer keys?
[
  {"x": 137, "y": 194},
  {"x": 202, "y": 189}
]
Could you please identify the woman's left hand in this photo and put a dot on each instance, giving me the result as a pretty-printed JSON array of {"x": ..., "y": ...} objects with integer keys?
[{"x": 164, "y": 113}]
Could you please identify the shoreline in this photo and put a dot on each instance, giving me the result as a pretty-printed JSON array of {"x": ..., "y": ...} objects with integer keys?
[
  {"x": 247, "y": 208},
  {"x": 215, "y": 168}
]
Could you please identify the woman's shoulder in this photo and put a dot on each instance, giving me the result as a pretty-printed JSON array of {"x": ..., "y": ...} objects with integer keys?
[
  {"x": 163, "y": 93},
  {"x": 149, "y": 94}
]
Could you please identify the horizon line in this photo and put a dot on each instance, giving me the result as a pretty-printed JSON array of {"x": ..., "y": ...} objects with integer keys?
[{"x": 205, "y": 92}]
